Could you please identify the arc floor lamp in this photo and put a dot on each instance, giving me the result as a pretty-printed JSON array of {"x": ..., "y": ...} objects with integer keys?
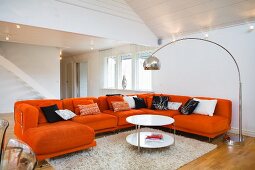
[{"x": 153, "y": 63}]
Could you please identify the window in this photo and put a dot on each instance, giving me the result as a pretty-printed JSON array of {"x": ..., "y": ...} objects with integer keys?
[
  {"x": 130, "y": 66},
  {"x": 111, "y": 72},
  {"x": 126, "y": 70}
]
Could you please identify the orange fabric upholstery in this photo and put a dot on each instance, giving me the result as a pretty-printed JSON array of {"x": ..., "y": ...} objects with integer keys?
[
  {"x": 59, "y": 136},
  {"x": 98, "y": 122},
  {"x": 223, "y": 108},
  {"x": 202, "y": 124},
  {"x": 111, "y": 99},
  {"x": 53, "y": 139},
  {"x": 170, "y": 113},
  {"x": 41, "y": 103},
  {"x": 176, "y": 98},
  {"x": 51, "y": 155},
  {"x": 49, "y": 139},
  {"x": 122, "y": 115},
  {"x": 102, "y": 103},
  {"x": 147, "y": 98}
]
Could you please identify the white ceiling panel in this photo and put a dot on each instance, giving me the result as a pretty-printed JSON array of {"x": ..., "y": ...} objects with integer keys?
[{"x": 169, "y": 17}]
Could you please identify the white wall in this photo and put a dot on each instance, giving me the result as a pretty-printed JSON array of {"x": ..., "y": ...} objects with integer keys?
[
  {"x": 40, "y": 63},
  {"x": 110, "y": 19},
  {"x": 201, "y": 69}
]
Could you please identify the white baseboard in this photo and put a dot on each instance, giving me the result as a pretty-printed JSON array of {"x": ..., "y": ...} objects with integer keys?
[{"x": 245, "y": 132}]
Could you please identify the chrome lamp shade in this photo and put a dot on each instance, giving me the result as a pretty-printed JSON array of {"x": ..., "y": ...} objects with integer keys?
[{"x": 151, "y": 63}]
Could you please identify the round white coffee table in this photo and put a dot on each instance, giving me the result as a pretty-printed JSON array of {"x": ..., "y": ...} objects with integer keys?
[{"x": 138, "y": 138}]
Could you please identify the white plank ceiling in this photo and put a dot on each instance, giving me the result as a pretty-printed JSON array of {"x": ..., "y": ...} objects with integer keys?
[{"x": 171, "y": 17}]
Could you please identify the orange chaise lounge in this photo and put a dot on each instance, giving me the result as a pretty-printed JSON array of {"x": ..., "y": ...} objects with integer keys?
[{"x": 49, "y": 139}]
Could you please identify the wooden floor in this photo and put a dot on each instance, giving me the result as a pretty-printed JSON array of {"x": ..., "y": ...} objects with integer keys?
[{"x": 224, "y": 157}]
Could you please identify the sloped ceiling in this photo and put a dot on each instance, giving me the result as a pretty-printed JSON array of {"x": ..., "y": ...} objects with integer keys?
[{"x": 167, "y": 18}]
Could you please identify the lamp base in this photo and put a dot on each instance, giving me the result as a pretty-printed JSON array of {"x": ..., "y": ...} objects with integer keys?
[{"x": 233, "y": 140}]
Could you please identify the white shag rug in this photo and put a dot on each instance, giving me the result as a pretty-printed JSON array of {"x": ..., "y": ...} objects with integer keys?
[{"x": 114, "y": 153}]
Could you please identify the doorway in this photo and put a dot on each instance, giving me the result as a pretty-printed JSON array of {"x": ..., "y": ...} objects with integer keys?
[{"x": 82, "y": 79}]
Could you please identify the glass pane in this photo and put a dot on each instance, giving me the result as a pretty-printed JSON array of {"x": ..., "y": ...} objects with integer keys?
[
  {"x": 126, "y": 70},
  {"x": 111, "y": 72},
  {"x": 144, "y": 76}
]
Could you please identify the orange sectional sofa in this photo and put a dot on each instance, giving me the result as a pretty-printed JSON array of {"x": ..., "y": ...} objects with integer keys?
[
  {"x": 49, "y": 139},
  {"x": 79, "y": 132}
]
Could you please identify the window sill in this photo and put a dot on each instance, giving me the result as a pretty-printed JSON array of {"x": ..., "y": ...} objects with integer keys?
[{"x": 128, "y": 90}]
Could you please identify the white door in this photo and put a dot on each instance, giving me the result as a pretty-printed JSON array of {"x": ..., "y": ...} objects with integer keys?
[{"x": 82, "y": 79}]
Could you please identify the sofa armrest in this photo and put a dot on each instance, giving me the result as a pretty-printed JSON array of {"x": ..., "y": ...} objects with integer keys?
[{"x": 26, "y": 116}]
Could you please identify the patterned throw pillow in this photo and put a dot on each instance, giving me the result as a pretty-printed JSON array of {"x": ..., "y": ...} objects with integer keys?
[
  {"x": 160, "y": 102},
  {"x": 89, "y": 109},
  {"x": 78, "y": 102},
  {"x": 120, "y": 106},
  {"x": 111, "y": 99},
  {"x": 189, "y": 107}
]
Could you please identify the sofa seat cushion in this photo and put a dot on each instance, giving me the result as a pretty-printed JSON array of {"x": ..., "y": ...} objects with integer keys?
[
  {"x": 122, "y": 115},
  {"x": 170, "y": 113},
  {"x": 98, "y": 121},
  {"x": 55, "y": 137},
  {"x": 202, "y": 123}
]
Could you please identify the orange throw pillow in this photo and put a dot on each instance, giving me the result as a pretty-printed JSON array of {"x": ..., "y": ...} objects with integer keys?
[
  {"x": 111, "y": 99},
  {"x": 89, "y": 109},
  {"x": 120, "y": 106},
  {"x": 80, "y": 102}
]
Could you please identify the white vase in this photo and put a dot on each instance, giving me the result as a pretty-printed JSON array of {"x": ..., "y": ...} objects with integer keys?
[{"x": 124, "y": 82}]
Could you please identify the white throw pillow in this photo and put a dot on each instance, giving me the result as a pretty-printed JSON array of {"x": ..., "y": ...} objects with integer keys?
[
  {"x": 130, "y": 100},
  {"x": 205, "y": 107},
  {"x": 174, "y": 105},
  {"x": 65, "y": 114}
]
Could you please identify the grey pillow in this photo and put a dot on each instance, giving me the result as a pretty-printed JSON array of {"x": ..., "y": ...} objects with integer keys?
[{"x": 65, "y": 114}]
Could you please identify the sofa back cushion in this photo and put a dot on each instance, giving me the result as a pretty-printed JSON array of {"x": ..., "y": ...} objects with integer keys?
[
  {"x": 42, "y": 103},
  {"x": 102, "y": 103},
  {"x": 68, "y": 103},
  {"x": 148, "y": 97},
  {"x": 177, "y": 98},
  {"x": 111, "y": 99}
]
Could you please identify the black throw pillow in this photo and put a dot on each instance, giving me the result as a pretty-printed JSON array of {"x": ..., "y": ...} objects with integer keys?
[
  {"x": 50, "y": 114},
  {"x": 139, "y": 103},
  {"x": 189, "y": 107},
  {"x": 160, "y": 102}
]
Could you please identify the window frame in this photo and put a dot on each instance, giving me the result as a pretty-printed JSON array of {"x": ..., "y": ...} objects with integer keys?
[{"x": 135, "y": 70}]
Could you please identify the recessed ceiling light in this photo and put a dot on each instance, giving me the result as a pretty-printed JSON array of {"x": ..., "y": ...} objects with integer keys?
[
  {"x": 92, "y": 48},
  {"x": 18, "y": 26},
  {"x": 206, "y": 35},
  {"x": 7, "y": 38},
  {"x": 251, "y": 27}
]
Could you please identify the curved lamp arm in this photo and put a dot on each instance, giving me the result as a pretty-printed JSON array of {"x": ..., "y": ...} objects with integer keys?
[{"x": 152, "y": 63}]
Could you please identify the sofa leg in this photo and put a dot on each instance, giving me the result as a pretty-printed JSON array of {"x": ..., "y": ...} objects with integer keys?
[{"x": 210, "y": 140}]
